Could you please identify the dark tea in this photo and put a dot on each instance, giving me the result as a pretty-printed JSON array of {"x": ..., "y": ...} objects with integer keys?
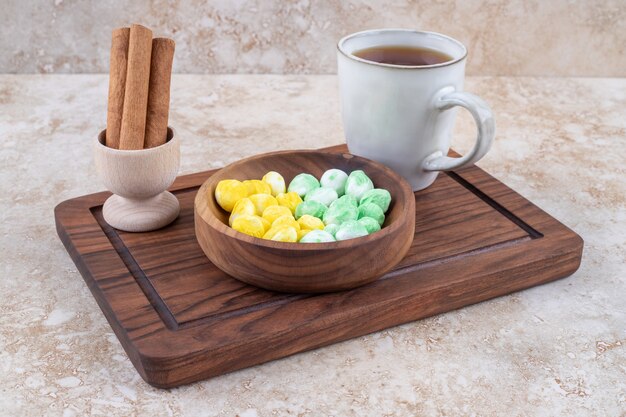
[{"x": 403, "y": 55}]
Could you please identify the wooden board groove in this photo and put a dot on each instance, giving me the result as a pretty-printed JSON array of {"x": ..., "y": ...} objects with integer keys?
[
  {"x": 534, "y": 234},
  {"x": 140, "y": 277},
  {"x": 181, "y": 320}
]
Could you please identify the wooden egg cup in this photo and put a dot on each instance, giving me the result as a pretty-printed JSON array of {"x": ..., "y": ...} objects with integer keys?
[{"x": 138, "y": 180}]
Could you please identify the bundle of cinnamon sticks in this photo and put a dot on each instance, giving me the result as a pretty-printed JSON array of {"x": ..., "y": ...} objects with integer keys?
[{"x": 139, "y": 89}]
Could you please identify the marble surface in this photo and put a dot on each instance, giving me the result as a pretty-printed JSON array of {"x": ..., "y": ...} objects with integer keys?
[
  {"x": 559, "y": 349},
  {"x": 504, "y": 37}
]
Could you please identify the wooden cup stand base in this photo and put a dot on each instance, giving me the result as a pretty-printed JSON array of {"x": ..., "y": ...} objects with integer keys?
[{"x": 180, "y": 319}]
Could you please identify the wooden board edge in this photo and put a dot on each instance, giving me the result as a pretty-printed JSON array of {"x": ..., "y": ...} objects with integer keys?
[
  {"x": 131, "y": 350},
  {"x": 214, "y": 361}
]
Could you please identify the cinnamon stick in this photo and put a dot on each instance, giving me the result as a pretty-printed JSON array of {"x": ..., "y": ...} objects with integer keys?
[
  {"x": 117, "y": 82},
  {"x": 159, "y": 92},
  {"x": 136, "y": 94}
]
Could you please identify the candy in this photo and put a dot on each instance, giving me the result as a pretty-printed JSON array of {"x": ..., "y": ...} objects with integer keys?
[
  {"x": 271, "y": 213},
  {"x": 262, "y": 201},
  {"x": 373, "y": 211},
  {"x": 289, "y": 200},
  {"x": 250, "y": 225},
  {"x": 282, "y": 234},
  {"x": 303, "y": 232},
  {"x": 358, "y": 183},
  {"x": 311, "y": 207},
  {"x": 335, "y": 179},
  {"x": 340, "y": 213},
  {"x": 303, "y": 183},
  {"x": 346, "y": 199},
  {"x": 342, "y": 207},
  {"x": 350, "y": 230},
  {"x": 370, "y": 224},
  {"x": 275, "y": 181},
  {"x": 243, "y": 206},
  {"x": 286, "y": 220},
  {"x": 378, "y": 196},
  {"x": 228, "y": 192},
  {"x": 324, "y": 195},
  {"x": 332, "y": 229},
  {"x": 309, "y": 222},
  {"x": 317, "y": 236},
  {"x": 257, "y": 187},
  {"x": 266, "y": 224}
]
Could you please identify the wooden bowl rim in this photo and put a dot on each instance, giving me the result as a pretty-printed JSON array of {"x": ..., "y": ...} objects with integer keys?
[{"x": 215, "y": 223}]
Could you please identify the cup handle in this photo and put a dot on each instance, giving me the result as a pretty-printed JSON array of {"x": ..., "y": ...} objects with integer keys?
[{"x": 448, "y": 98}]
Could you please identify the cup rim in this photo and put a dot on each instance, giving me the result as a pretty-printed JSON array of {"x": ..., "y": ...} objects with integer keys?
[
  {"x": 100, "y": 144},
  {"x": 342, "y": 41}
]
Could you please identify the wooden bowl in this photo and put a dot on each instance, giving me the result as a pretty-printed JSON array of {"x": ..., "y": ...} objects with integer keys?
[{"x": 305, "y": 267}]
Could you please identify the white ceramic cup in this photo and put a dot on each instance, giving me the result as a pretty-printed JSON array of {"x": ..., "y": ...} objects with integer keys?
[{"x": 403, "y": 116}]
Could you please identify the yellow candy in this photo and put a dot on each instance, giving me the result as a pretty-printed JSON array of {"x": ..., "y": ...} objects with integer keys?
[
  {"x": 302, "y": 233},
  {"x": 276, "y": 182},
  {"x": 257, "y": 187},
  {"x": 250, "y": 225},
  {"x": 271, "y": 213},
  {"x": 289, "y": 200},
  {"x": 286, "y": 220},
  {"x": 282, "y": 234},
  {"x": 262, "y": 201},
  {"x": 309, "y": 222},
  {"x": 243, "y": 206},
  {"x": 228, "y": 192},
  {"x": 266, "y": 224}
]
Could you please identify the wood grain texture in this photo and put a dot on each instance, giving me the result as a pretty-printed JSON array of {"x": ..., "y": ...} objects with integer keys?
[
  {"x": 136, "y": 94},
  {"x": 117, "y": 85},
  {"x": 181, "y": 319},
  {"x": 299, "y": 267},
  {"x": 159, "y": 92},
  {"x": 138, "y": 180}
]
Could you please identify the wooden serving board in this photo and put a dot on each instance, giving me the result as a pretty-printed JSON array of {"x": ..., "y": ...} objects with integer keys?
[{"x": 180, "y": 319}]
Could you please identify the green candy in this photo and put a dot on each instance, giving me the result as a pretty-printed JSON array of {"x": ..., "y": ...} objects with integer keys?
[
  {"x": 378, "y": 196},
  {"x": 303, "y": 184},
  {"x": 358, "y": 184},
  {"x": 332, "y": 228},
  {"x": 350, "y": 230},
  {"x": 370, "y": 224},
  {"x": 346, "y": 199},
  {"x": 340, "y": 213},
  {"x": 373, "y": 211},
  {"x": 317, "y": 236},
  {"x": 335, "y": 179},
  {"x": 311, "y": 207},
  {"x": 324, "y": 195}
]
